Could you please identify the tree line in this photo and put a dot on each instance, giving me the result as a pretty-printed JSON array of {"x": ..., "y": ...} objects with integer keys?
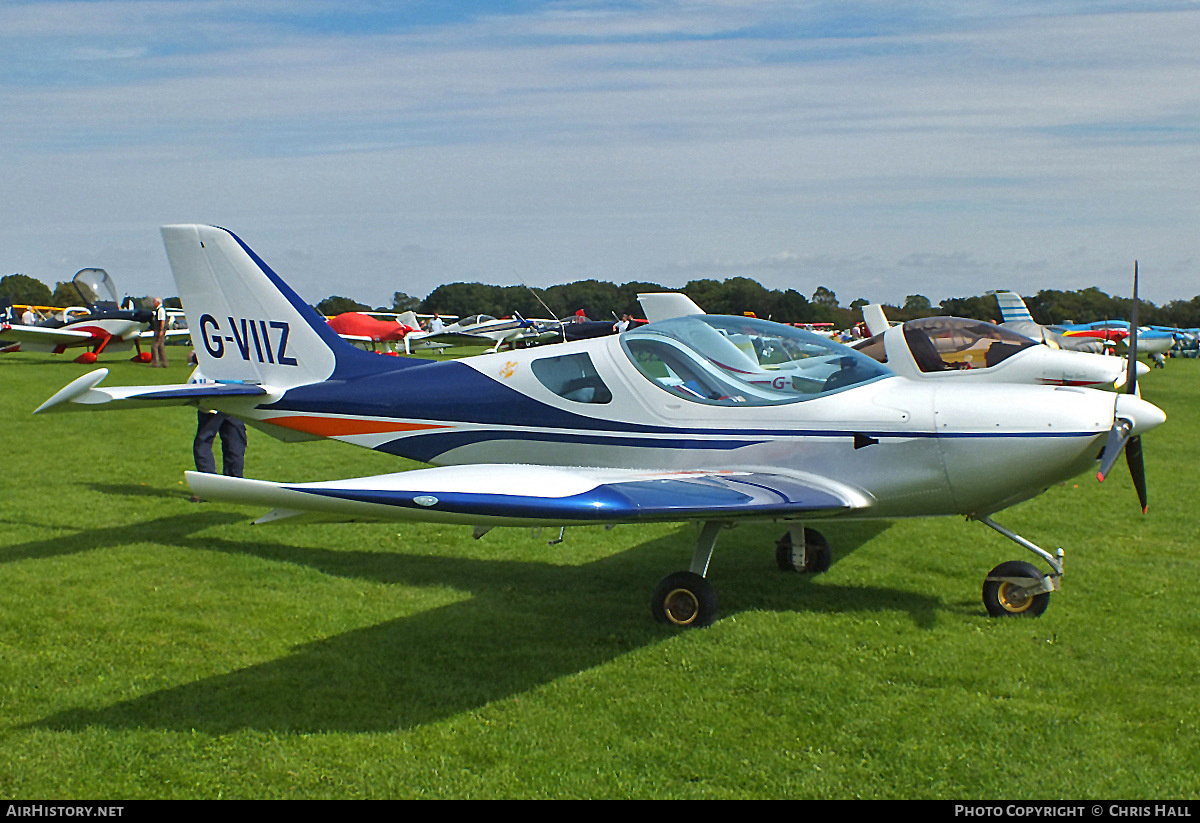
[{"x": 601, "y": 300}]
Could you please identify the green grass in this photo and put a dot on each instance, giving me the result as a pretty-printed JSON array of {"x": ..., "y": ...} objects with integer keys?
[{"x": 154, "y": 648}]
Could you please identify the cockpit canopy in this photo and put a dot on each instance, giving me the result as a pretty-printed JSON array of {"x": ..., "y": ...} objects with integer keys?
[
  {"x": 743, "y": 361},
  {"x": 95, "y": 288},
  {"x": 944, "y": 343}
]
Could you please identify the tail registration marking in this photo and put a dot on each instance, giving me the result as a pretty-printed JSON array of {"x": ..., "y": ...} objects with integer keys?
[{"x": 266, "y": 340}]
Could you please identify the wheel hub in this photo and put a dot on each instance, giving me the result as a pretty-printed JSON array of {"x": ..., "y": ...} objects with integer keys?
[
  {"x": 681, "y": 607},
  {"x": 1014, "y": 598}
]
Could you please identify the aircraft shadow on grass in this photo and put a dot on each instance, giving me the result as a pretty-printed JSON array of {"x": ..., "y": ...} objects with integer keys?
[{"x": 524, "y": 625}]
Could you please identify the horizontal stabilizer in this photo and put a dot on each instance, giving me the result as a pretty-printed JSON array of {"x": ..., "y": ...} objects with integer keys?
[
  {"x": 82, "y": 392},
  {"x": 507, "y": 495}
]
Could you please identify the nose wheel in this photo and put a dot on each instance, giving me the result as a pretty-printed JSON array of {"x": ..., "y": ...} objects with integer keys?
[
  {"x": 1014, "y": 589},
  {"x": 1017, "y": 588}
]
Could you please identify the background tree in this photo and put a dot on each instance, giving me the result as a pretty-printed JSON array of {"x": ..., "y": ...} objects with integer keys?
[
  {"x": 983, "y": 307},
  {"x": 65, "y": 294},
  {"x": 23, "y": 289},
  {"x": 335, "y": 305},
  {"x": 402, "y": 302}
]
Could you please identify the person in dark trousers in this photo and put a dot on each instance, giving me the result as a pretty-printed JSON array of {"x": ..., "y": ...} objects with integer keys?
[{"x": 210, "y": 424}]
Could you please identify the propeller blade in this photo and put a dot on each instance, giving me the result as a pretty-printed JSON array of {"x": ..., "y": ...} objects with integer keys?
[
  {"x": 1117, "y": 436},
  {"x": 1131, "y": 369},
  {"x": 1137, "y": 470}
]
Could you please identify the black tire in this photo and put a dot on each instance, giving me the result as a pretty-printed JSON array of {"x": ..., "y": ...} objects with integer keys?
[
  {"x": 1003, "y": 599},
  {"x": 817, "y": 556},
  {"x": 684, "y": 599}
]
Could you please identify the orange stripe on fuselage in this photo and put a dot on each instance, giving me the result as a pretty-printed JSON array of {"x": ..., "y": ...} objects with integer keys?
[{"x": 341, "y": 426}]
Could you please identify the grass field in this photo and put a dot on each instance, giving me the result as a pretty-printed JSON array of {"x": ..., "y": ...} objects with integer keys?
[{"x": 155, "y": 648}]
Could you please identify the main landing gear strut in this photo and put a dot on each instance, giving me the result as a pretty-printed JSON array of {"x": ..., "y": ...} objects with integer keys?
[
  {"x": 1017, "y": 588},
  {"x": 688, "y": 600}
]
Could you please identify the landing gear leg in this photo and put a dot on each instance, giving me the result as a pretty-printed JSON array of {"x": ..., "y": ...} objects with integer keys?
[
  {"x": 686, "y": 599},
  {"x": 1016, "y": 587}
]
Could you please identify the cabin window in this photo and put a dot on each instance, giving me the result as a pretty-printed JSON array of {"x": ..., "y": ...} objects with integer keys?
[{"x": 572, "y": 377}]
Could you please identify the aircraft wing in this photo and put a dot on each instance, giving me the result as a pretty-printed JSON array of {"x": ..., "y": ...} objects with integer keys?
[
  {"x": 172, "y": 334},
  {"x": 451, "y": 338},
  {"x": 82, "y": 392},
  {"x": 43, "y": 335},
  {"x": 521, "y": 495}
]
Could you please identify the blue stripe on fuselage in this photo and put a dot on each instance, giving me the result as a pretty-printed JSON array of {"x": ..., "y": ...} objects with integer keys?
[{"x": 451, "y": 392}]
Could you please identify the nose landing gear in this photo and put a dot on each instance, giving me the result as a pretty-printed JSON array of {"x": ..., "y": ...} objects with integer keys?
[{"x": 1016, "y": 588}]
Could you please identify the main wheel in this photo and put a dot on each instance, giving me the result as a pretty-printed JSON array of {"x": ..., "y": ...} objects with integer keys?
[
  {"x": 814, "y": 559},
  {"x": 1005, "y": 598},
  {"x": 684, "y": 599}
]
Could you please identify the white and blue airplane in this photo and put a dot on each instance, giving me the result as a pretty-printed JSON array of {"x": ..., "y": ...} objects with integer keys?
[{"x": 706, "y": 418}]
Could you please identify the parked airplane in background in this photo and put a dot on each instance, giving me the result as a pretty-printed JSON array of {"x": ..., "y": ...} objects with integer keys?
[
  {"x": 705, "y": 418},
  {"x": 1151, "y": 343},
  {"x": 1097, "y": 337},
  {"x": 362, "y": 328},
  {"x": 102, "y": 327},
  {"x": 1015, "y": 316},
  {"x": 483, "y": 329},
  {"x": 963, "y": 349}
]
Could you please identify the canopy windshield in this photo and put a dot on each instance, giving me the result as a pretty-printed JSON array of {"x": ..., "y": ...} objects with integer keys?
[
  {"x": 743, "y": 361},
  {"x": 95, "y": 287},
  {"x": 940, "y": 343}
]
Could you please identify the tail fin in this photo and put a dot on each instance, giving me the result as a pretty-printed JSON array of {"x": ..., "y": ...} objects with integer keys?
[
  {"x": 876, "y": 320},
  {"x": 247, "y": 324},
  {"x": 1012, "y": 307},
  {"x": 665, "y": 305}
]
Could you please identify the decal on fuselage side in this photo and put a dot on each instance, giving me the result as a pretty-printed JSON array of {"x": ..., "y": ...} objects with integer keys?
[{"x": 264, "y": 340}]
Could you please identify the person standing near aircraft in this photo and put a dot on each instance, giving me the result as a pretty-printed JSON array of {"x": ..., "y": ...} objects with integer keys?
[
  {"x": 210, "y": 425},
  {"x": 158, "y": 324},
  {"x": 28, "y": 318}
]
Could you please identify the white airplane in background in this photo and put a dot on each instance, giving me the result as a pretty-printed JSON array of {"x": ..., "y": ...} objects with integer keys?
[
  {"x": 960, "y": 348},
  {"x": 103, "y": 327},
  {"x": 481, "y": 329},
  {"x": 713, "y": 419}
]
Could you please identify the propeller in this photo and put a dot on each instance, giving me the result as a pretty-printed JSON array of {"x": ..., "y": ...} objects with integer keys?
[{"x": 1119, "y": 436}]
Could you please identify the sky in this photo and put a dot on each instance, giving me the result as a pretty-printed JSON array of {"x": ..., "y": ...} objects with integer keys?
[{"x": 878, "y": 149}]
